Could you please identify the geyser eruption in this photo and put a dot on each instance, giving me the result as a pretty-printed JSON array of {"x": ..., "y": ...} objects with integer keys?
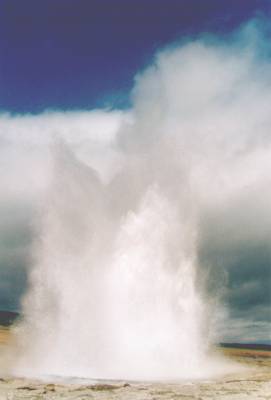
[{"x": 115, "y": 289}]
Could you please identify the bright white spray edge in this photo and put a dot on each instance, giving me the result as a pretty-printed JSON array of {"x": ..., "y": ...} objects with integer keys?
[{"x": 114, "y": 288}]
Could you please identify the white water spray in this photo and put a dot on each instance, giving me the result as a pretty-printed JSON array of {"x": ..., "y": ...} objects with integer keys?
[{"x": 114, "y": 290}]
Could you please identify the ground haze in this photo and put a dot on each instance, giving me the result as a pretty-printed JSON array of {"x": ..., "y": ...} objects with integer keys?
[{"x": 253, "y": 382}]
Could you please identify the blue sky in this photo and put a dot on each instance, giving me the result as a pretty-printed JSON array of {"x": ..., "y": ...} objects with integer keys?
[{"x": 67, "y": 54}]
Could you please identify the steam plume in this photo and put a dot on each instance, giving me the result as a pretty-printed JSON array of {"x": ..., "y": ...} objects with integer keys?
[{"x": 116, "y": 290}]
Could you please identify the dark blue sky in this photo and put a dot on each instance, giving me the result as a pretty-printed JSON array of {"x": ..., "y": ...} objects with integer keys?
[{"x": 80, "y": 54}]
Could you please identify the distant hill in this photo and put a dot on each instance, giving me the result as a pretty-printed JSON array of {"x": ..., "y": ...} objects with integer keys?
[
  {"x": 8, "y": 317},
  {"x": 250, "y": 346}
]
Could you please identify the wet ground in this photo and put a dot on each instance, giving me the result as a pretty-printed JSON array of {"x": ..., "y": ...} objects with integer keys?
[{"x": 254, "y": 382}]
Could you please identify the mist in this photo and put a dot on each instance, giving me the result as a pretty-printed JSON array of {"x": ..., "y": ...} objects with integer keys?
[{"x": 140, "y": 215}]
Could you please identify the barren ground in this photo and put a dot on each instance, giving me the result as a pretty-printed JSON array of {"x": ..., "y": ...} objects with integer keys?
[{"x": 254, "y": 383}]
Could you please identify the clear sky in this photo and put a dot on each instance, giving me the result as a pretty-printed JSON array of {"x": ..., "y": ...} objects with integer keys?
[{"x": 81, "y": 54}]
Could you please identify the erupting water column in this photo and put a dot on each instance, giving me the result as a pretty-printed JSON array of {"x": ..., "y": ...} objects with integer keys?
[{"x": 112, "y": 293}]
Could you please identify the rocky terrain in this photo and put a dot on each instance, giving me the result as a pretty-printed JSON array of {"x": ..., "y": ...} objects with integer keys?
[{"x": 252, "y": 383}]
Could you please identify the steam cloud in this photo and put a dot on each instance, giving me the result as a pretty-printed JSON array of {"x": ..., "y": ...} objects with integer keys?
[{"x": 132, "y": 202}]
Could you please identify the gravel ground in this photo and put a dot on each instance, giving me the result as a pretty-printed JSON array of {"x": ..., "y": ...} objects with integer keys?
[{"x": 252, "y": 383}]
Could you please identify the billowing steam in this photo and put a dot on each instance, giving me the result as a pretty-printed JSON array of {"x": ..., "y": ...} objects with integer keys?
[{"x": 116, "y": 289}]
